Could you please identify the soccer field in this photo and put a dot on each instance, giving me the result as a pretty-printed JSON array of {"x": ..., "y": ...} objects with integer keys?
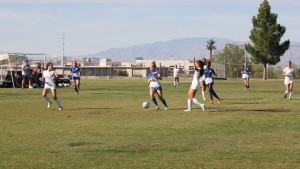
[{"x": 105, "y": 126}]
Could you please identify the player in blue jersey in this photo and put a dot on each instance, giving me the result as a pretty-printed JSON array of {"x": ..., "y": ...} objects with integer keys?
[
  {"x": 75, "y": 76},
  {"x": 210, "y": 82},
  {"x": 198, "y": 66},
  {"x": 155, "y": 86},
  {"x": 245, "y": 75}
]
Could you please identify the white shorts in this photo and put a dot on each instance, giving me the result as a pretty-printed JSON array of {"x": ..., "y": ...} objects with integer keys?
[
  {"x": 50, "y": 86},
  {"x": 245, "y": 76},
  {"x": 288, "y": 80},
  {"x": 202, "y": 78},
  {"x": 209, "y": 80},
  {"x": 195, "y": 86}
]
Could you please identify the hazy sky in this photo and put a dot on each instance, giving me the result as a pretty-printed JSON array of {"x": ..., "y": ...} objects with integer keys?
[{"x": 91, "y": 26}]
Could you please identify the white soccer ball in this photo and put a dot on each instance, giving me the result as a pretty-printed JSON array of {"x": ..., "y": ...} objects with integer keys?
[{"x": 146, "y": 105}]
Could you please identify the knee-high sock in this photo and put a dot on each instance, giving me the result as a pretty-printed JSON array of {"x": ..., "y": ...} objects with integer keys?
[
  {"x": 58, "y": 103},
  {"x": 286, "y": 92},
  {"x": 164, "y": 102},
  {"x": 291, "y": 93},
  {"x": 174, "y": 83},
  {"x": 197, "y": 101},
  {"x": 214, "y": 93},
  {"x": 203, "y": 94},
  {"x": 47, "y": 99},
  {"x": 189, "y": 104},
  {"x": 210, "y": 95},
  {"x": 154, "y": 101}
]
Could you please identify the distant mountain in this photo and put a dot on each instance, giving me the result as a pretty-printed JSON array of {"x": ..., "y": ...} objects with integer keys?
[
  {"x": 178, "y": 49},
  {"x": 181, "y": 49}
]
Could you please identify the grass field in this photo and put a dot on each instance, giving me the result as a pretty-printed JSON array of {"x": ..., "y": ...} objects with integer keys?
[{"x": 105, "y": 126}]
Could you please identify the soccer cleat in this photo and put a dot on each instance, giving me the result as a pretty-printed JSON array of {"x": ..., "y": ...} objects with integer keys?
[
  {"x": 187, "y": 110},
  {"x": 204, "y": 98},
  {"x": 284, "y": 96},
  {"x": 61, "y": 108},
  {"x": 166, "y": 108},
  {"x": 219, "y": 100},
  {"x": 157, "y": 107},
  {"x": 49, "y": 105},
  {"x": 211, "y": 102},
  {"x": 290, "y": 98},
  {"x": 30, "y": 87},
  {"x": 202, "y": 107}
]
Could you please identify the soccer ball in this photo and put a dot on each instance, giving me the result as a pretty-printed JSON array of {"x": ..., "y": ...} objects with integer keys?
[{"x": 146, "y": 105}]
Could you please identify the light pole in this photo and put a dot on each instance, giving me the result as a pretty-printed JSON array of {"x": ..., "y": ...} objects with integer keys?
[{"x": 62, "y": 50}]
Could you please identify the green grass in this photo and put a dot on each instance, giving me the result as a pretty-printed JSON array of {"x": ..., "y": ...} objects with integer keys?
[{"x": 105, "y": 126}]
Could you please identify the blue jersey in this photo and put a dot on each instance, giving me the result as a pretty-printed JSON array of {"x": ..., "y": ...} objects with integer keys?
[
  {"x": 208, "y": 72},
  {"x": 153, "y": 76},
  {"x": 245, "y": 70},
  {"x": 75, "y": 71}
]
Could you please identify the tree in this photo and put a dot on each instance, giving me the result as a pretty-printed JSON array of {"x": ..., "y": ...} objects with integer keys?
[
  {"x": 265, "y": 36},
  {"x": 233, "y": 56},
  {"x": 211, "y": 46}
]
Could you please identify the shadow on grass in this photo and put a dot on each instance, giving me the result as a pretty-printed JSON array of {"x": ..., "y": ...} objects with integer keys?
[
  {"x": 275, "y": 110},
  {"x": 95, "y": 108}
]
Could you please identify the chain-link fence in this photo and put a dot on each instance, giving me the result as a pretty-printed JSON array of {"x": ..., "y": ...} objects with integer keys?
[{"x": 233, "y": 71}]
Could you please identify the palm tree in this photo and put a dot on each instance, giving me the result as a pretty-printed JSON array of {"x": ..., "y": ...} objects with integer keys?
[{"x": 211, "y": 46}]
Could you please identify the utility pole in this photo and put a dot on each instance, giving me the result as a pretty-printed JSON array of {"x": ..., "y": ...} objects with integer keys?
[
  {"x": 63, "y": 54},
  {"x": 62, "y": 50}
]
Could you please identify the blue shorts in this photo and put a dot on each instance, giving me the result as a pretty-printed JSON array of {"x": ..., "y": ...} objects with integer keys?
[
  {"x": 156, "y": 88},
  {"x": 75, "y": 78}
]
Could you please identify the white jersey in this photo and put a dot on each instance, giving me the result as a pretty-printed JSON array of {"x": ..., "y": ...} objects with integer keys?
[
  {"x": 49, "y": 83},
  {"x": 202, "y": 78},
  {"x": 26, "y": 71},
  {"x": 195, "y": 83},
  {"x": 175, "y": 72},
  {"x": 289, "y": 75}
]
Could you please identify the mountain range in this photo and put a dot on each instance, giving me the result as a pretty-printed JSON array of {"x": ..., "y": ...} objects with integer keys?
[{"x": 180, "y": 49}]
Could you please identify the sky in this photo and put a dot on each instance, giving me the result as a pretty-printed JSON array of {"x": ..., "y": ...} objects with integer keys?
[{"x": 92, "y": 26}]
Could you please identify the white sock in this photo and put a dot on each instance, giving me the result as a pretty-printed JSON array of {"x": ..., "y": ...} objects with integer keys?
[
  {"x": 290, "y": 94},
  {"x": 189, "y": 104},
  {"x": 286, "y": 92},
  {"x": 197, "y": 101},
  {"x": 203, "y": 94},
  {"x": 58, "y": 103},
  {"x": 174, "y": 83},
  {"x": 47, "y": 99}
]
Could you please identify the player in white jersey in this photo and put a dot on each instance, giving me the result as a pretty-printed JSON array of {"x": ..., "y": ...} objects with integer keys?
[
  {"x": 176, "y": 76},
  {"x": 289, "y": 74},
  {"x": 155, "y": 86},
  {"x": 202, "y": 80},
  {"x": 49, "y": 76},
  {"x": 198, "y": 66}
]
